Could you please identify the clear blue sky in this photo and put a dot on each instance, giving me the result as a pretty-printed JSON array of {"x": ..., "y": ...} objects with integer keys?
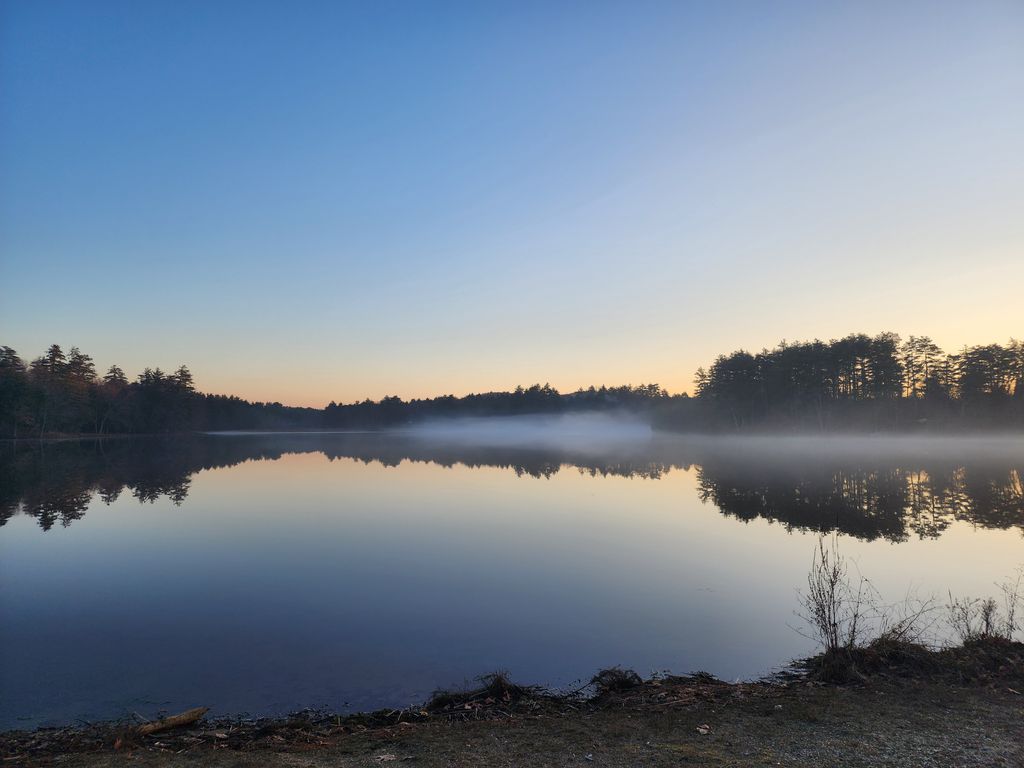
[{"x": 313, "y": 201}]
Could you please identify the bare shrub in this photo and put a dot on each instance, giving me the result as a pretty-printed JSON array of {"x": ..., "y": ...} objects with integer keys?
[
  {"x": 1013, "y": 599},
  {"x": 973, "y": 619},
  {"x": 615, "y": 679},
  {"x": 848, "y": 618},
  {"x": 837, "y": 608},
  {"x": 909, "y": 622},
  {"x": 495, "y": 687},
  {"x": 860, "y": 635}
]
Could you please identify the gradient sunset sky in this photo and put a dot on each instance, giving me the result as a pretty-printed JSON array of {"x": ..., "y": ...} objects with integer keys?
[{"x": 314, "y": 201}]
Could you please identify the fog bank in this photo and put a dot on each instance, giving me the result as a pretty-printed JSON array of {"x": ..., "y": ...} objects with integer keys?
[{"x": 579, "y": 431}]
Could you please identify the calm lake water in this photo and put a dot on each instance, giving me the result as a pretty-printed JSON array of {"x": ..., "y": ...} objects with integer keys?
[{"x": 266, "y": 573}]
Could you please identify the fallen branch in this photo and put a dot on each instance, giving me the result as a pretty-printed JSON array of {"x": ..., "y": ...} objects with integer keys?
[{"x": 185, "y": 718}]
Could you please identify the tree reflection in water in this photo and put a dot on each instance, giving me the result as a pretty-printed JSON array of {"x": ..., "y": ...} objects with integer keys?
[{"x": 858, "y": 493}]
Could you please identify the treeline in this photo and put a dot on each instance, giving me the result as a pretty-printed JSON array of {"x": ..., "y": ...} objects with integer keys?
[
  {"x": 62, "y": 393},
  {"x": 537, "y": 399},
  {"x": 878, "y": 382},
  {"x": 857, "y": 382}
]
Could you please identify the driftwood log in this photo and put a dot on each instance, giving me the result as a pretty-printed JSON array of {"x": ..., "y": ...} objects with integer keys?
[{"x": 187, "y": 717}]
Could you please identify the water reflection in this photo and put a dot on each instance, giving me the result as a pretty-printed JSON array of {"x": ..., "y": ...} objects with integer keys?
[
  {"x": 869, "y": 502},
  {"x": 907, "y": 490}
]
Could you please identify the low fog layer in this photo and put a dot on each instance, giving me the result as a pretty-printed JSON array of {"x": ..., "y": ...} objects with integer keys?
[
  {"x": 578, "y": 431},
  {"x": 625, "y": 434},
  {"x": 794, "y": 447}
]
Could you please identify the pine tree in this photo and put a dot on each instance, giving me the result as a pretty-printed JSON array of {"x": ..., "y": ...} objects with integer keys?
[
  {"x": 183, "y": 379},
  {"x": 115, "y": 376}
]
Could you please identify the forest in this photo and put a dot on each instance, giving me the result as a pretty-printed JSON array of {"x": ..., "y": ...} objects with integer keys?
[{"x": 859, "y": 382}]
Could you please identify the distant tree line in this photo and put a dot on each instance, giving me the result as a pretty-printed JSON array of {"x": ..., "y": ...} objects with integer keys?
[
  {"x": 857, "y": 382},
  {"x": 536, "y": 399},
  {"x": 62, "y": 393},
  {"x": 875, "y": 382}
]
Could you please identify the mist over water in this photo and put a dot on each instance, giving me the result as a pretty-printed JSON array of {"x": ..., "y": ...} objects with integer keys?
[
  {"x": 594, "y": 431},
  {"x": 908, "y": 447},
  {"x": 619, "y": 431}
]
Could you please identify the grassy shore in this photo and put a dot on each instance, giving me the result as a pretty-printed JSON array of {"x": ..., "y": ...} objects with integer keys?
[{"x": 905, "y": 706}]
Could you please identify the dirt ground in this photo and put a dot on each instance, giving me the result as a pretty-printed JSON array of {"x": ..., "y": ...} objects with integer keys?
[{"x": 686, "y": 722}]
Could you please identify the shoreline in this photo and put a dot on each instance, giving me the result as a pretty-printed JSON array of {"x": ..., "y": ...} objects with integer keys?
[{"x": 805, "y": 713}]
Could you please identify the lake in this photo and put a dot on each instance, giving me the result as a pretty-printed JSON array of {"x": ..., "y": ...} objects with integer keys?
[{"x": 264, "y": 573}]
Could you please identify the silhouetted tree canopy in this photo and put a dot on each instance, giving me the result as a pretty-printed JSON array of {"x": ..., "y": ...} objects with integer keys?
[{"x": 859, "y": 381}]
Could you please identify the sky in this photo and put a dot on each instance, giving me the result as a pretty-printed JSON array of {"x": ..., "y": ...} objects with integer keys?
[{"x": 310, "y": 201}]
